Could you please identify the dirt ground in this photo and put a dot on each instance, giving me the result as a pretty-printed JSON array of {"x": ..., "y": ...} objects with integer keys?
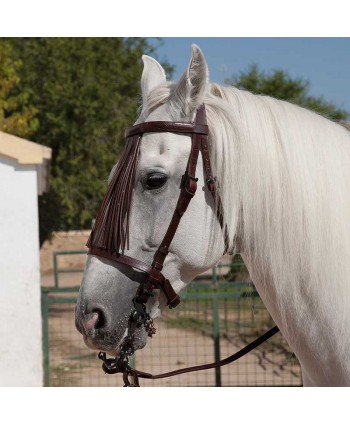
[
  {"x": 70, "y": 240},
  {"x": 73, "y": 364}
]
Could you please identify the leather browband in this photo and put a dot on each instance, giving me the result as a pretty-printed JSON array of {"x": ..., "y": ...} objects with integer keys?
[{"x": 165, "y": 126}]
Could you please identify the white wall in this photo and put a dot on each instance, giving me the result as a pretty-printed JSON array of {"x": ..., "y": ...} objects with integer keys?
[{"x": 20, "y": 309}]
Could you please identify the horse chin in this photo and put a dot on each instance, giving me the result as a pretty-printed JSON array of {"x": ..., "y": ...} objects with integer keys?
[{"x": 112, "y": 347}]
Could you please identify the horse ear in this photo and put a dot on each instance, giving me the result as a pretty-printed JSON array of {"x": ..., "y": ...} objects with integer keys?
[
  {"x": 191, "y": 88},
  {"x": 153, "y": 75}
]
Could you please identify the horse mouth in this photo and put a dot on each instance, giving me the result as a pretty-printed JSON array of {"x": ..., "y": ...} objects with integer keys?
[
  {"x": 105, "y": 342},
  {"x": 96, "y": 344},
  {"x": 109, "y": 339},
  {"x": 96, "y": 339}
]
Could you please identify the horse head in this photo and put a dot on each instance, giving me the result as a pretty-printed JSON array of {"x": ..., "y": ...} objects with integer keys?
[{"x": 107, "y": 295}]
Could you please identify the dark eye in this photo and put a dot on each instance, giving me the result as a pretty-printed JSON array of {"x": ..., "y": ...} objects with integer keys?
[{"x": 155, "y": 180}]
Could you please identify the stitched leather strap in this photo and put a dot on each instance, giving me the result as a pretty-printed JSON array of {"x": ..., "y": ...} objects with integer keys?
[
  {"x": 188, "y": 190},
  {"x": 155, "y": 278},
  {"x": 167, "y": 126},
  {"x": 212, "y": 185},
  {"x": 232, "y": 358},
  {"x": 118, "y": 257}
]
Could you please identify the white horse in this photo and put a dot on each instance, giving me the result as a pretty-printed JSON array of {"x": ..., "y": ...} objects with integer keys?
[{"x": 284, "y": 175}]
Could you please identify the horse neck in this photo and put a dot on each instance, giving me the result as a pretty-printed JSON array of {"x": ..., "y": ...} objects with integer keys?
[
  {"x": 313, "y": 323},
  {"x": 293, "y": 189}
]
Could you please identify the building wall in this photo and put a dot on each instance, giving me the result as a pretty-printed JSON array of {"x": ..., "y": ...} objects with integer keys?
[{"x": 20, "y": 308}]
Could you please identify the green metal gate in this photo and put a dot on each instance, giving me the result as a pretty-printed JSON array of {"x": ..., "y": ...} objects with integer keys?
[{"x": 215, "y": 318}]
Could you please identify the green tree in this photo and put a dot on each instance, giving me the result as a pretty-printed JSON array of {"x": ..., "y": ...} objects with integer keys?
[
  {"x": 281, "y": 85},
  {"x": 86, "y": 91},
  {"x": 17, "y": 116}
]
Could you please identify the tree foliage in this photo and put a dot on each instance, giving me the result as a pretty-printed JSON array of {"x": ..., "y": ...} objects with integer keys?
[
  {"x": 281, "y": 85},
  {"x": 86, "y": 91},
  {"x": 17, "y": 116},
  {"x": 76, "y": 95}
]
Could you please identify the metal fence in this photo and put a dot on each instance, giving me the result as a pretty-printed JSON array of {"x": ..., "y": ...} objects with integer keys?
[{"x": 215, "y": 318}]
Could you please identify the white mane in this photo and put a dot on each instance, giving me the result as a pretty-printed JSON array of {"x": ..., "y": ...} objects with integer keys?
[
  {"x": 288, "y": 170},
  {"x": 292, "y": 179}
]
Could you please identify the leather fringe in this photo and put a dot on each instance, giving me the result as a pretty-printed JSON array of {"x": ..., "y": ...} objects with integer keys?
[{"x": 111, "y": 229}]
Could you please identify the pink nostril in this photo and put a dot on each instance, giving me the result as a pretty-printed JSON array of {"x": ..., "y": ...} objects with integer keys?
[{"x": 91, "y": 321}]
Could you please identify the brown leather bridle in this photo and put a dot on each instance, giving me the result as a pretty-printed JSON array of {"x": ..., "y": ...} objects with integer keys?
[
  {"x": 154, "y": 276},
  {"x": 109, "y": 246}
]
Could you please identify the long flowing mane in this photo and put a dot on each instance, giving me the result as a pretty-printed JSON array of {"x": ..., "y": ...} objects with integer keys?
[
  {"x": 284, "y": 174},
  {"x": 283, "y": 192}
]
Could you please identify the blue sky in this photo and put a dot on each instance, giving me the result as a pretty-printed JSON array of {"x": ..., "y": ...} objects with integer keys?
[{"x": 324, "y": 62}]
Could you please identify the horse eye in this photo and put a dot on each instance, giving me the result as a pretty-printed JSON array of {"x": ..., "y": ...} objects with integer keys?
[{"x": 155, "y": 180}]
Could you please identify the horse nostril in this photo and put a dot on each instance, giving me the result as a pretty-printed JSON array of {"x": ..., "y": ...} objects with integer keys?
[
  {"x": 100, "y": 320},
  {"x": 94, "y": 320}
]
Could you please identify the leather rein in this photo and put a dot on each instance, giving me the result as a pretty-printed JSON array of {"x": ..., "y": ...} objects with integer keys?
[{"x": 153, "y": 277}]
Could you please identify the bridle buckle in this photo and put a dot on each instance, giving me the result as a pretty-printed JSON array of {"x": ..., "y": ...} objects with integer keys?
[
  {"x": 211, "y": 184},
  {"x": 189, "y": 184}
]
